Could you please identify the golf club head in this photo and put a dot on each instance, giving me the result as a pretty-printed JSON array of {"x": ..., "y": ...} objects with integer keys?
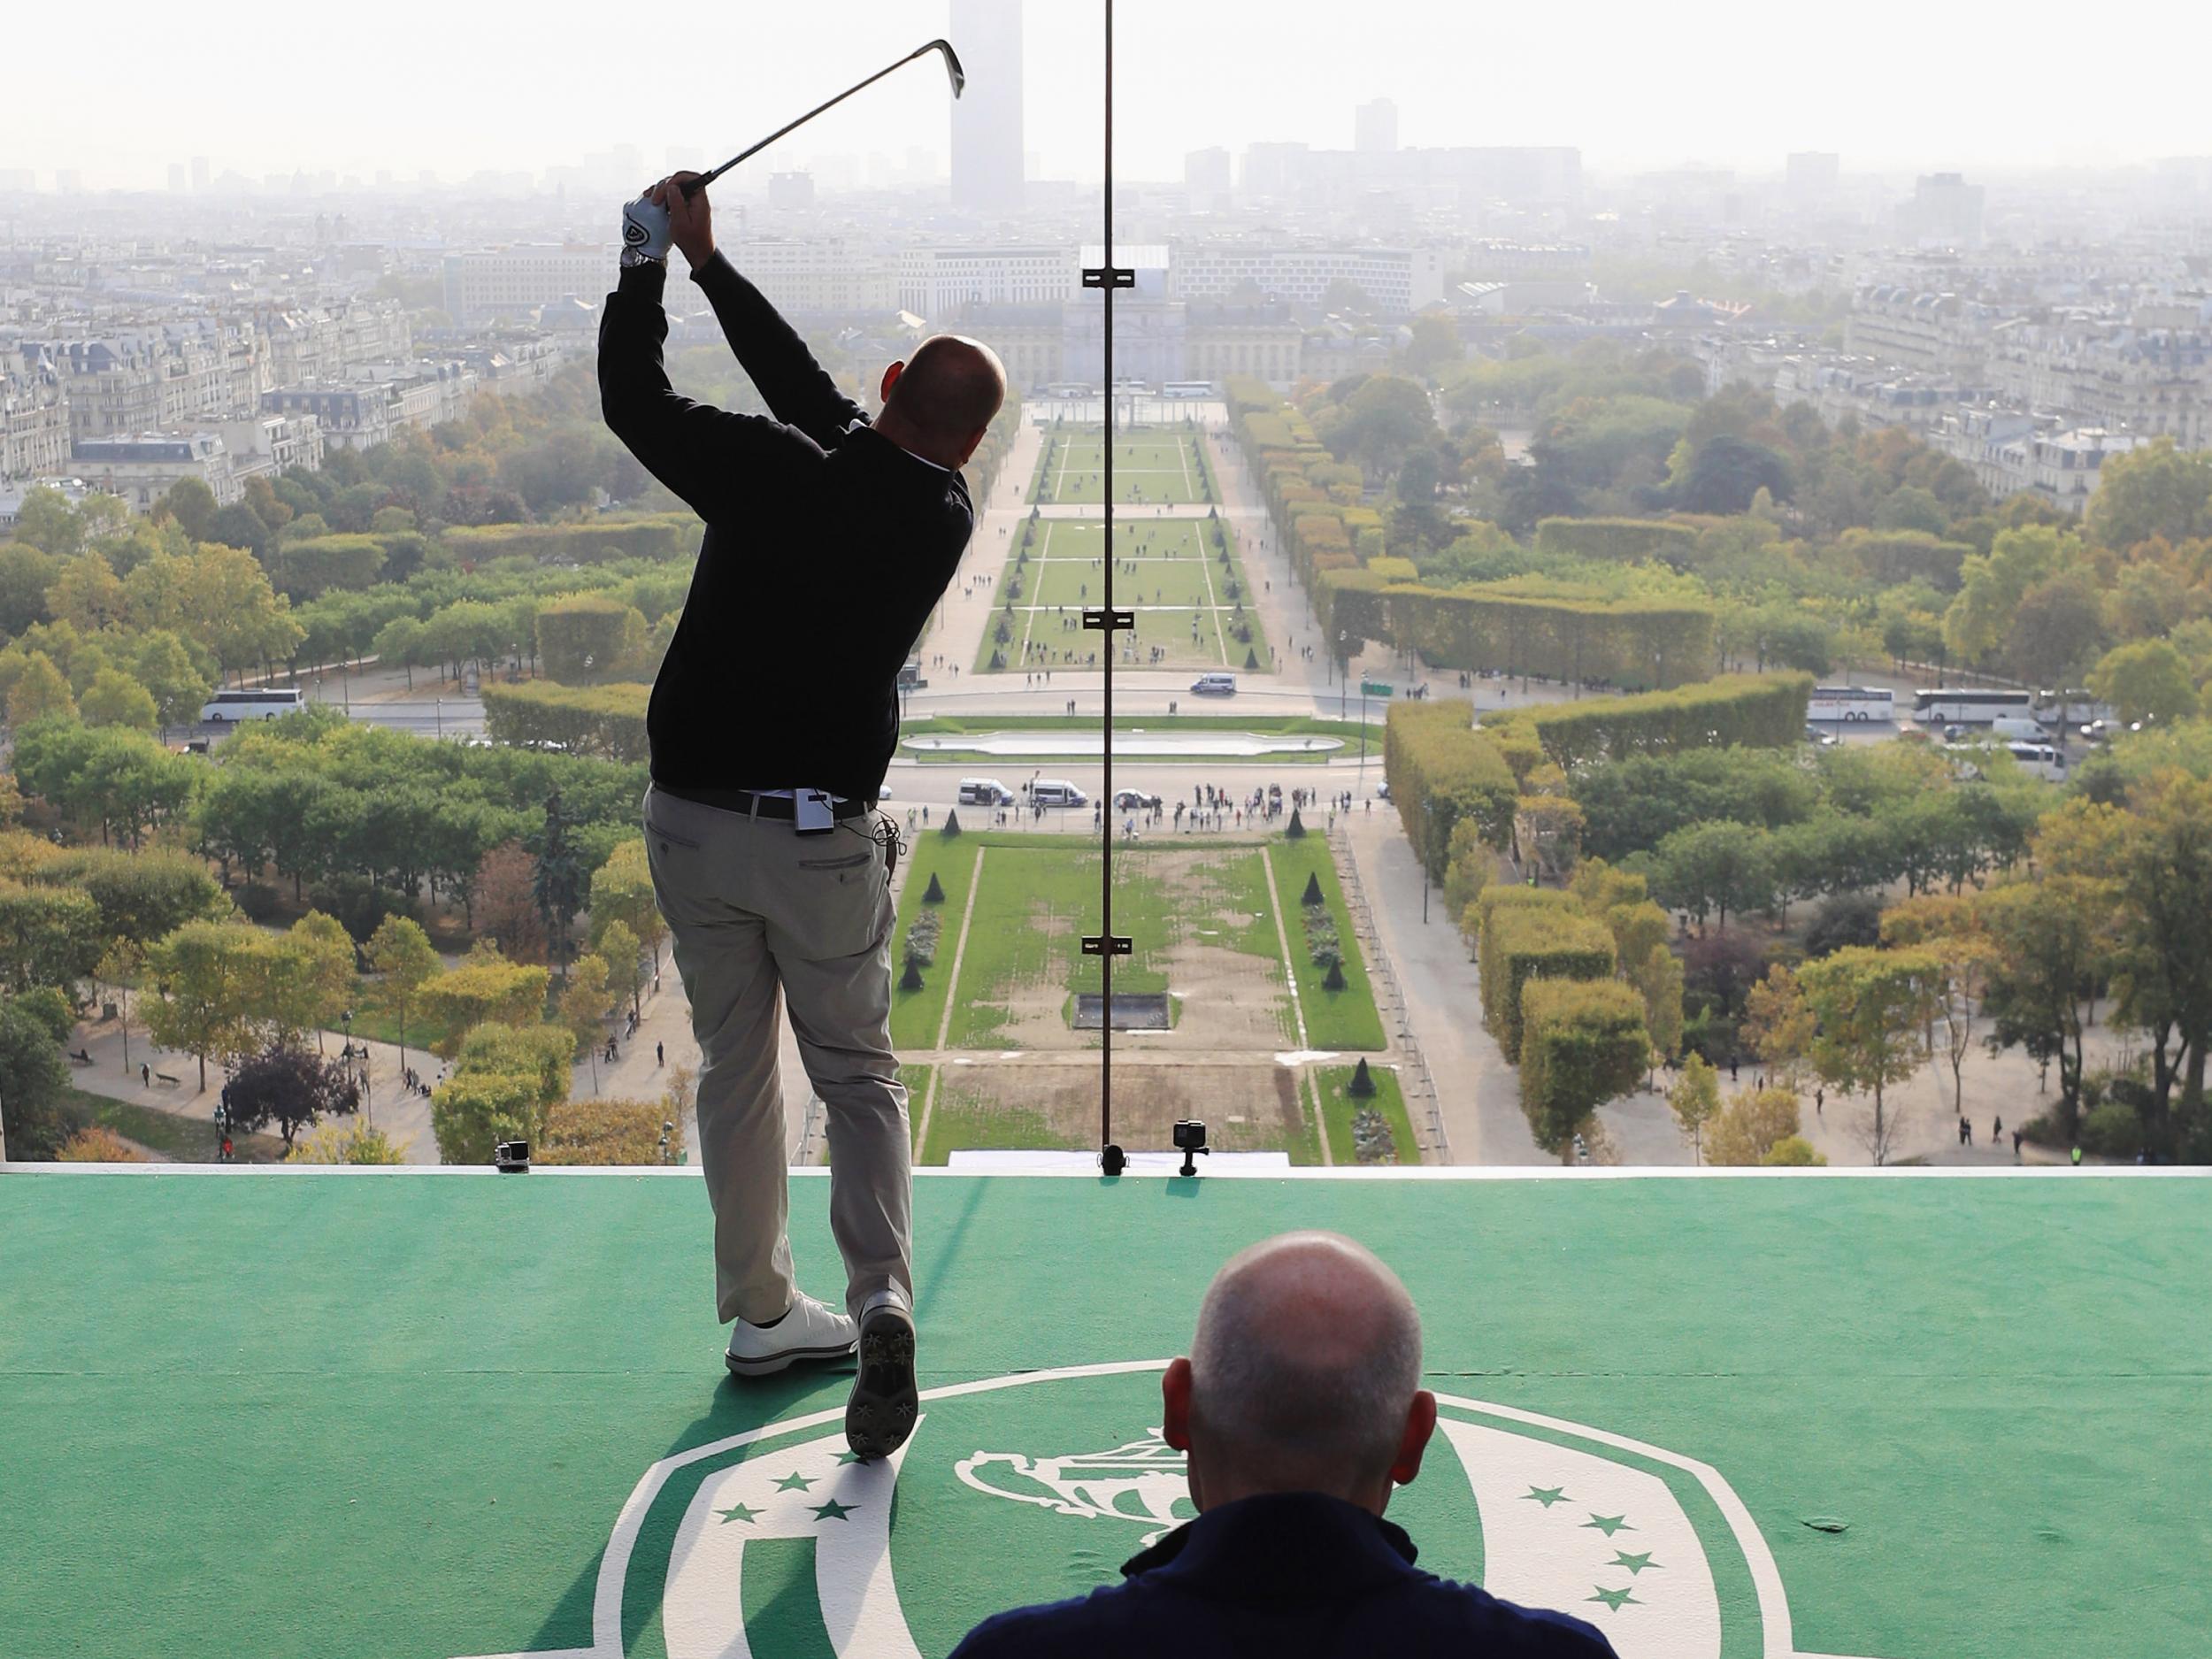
[{"x": 958, "y": 75}]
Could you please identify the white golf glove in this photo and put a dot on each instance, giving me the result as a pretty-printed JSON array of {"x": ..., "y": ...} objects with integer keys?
[{"x": 645, "y": 233}]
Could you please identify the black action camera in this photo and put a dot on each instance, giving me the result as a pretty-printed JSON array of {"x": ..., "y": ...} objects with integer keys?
[{"x": 1190, "y": 1140}]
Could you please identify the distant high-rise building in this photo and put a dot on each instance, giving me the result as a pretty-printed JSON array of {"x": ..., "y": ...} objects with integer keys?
[
  {"x": 791, "y": 190},
  {"x": 1945, "y": 211},
  {"x": 1810, "y": 176},
  {"x": 1375, "y": 127},
  {"x": 178, "y": 178},
  {"x": 200, "y": 175},
  {"x": 1206, "y": 178},
  {"x": 1274, "y": 169},
  {"x": 68, "y": 181},
  {"x": 986, "y": 121}
]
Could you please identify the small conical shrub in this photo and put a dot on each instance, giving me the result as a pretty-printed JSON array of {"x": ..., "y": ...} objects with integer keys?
[
  {"x": 1297, "y": 828},
  {"x": 952, "y": 825},
  {"x": 1362, "y": 1085},
  {"x": 911, "y": 980},
  {"x": 1312, "y": 895},
  {"x": 934, "y": 892},
  {"x": 1334, "y": 979},
  {"x": 1252, "y": 660}
]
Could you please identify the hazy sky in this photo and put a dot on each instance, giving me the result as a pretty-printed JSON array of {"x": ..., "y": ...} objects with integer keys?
[{"x": 455, "y": 87}]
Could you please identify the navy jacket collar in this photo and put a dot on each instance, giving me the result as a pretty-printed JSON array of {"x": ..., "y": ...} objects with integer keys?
[{"x": 1289, "y": 1544}]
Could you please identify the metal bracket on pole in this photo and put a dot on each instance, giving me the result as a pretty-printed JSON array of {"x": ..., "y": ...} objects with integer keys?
[
  {"x": 1110, "y": 621},
  {"x": 1101, "y": 276},
  {"x": 1096, "y": 944}
]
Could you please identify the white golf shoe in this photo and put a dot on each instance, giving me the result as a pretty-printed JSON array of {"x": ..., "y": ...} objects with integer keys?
[{"x": 811, "y": 1330}]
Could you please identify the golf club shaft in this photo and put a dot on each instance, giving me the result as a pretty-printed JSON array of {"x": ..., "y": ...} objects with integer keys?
[{"x": 693, "y": 187}]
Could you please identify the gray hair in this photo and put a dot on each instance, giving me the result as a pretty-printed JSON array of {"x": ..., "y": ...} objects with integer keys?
[{"x": 1305, "y": 1363}]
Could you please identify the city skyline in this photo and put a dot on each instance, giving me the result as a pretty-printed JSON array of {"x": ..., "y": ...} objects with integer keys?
[{"x": 1640, "y": 98}]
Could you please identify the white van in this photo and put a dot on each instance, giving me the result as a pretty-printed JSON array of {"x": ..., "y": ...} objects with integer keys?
[
  {"x": 1214, "y": 686},
  {"x": 1057, "y": 792},
  {"x": 2014, "y": 729},
  {"x": 985, "y": 792},
  {"x": 249, "y": 705}
]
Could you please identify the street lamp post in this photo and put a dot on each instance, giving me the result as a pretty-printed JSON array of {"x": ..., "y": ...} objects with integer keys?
[
  {"x": 1344, "y": 671},
  {"x": 1428, "y": 828}
]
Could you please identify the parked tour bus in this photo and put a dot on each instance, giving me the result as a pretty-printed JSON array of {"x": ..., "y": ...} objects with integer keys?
[
  {"x": 249, "y": 705},
  {"x": 1851, "y": 702},
  {"x": 1962, "y": 705}
]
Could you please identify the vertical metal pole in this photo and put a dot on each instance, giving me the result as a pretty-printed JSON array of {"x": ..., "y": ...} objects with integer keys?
[{"x": 1106, "y": 795}]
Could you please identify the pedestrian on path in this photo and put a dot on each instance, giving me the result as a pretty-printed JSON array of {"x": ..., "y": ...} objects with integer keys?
[{"x": 660, "y": 1053}]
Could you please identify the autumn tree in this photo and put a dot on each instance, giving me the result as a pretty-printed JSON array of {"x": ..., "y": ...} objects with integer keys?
[
  {"x": 1695, "y": 1100},
  {"x": 206, "y": 976},
  {"x": 404, "y": 961},
  {"x": 292, "y": 1089},
  {"x": 1778, "y": 1027},
  {"x": 1749, "y": 1126},
  {"x": 505, "y": 905},
  {"x": 1871, "y": 1007}
]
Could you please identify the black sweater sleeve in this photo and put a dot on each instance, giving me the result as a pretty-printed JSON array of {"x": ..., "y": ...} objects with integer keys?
[
  {"x": 714, "y": 459},
  {"x": 796, "y": 388}
]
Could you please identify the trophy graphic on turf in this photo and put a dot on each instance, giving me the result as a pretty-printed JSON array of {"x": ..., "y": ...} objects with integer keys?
[{"x": 1140, "y": 1481}]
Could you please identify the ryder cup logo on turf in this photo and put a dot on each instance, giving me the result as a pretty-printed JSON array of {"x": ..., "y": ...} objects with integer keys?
[{"x": 779, "y": 1539}]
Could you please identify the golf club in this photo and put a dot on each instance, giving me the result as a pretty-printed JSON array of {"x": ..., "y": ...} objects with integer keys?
[{"x": 958, "y": 75}]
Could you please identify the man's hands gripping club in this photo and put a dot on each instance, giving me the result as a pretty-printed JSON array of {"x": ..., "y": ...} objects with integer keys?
[{"x": 665, "y": 216}]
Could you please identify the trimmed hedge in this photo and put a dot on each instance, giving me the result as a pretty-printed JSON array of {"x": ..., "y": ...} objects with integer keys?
[
  {"x": 664, "y": 536},
  {"x": 1441, "y": 770},
  {"x": 607, "y": 720},
  {"x": 1753, "y": 711},
  {"x": 1629, "y": 642},
  {"x": 595, "y": 627},
  {"x": 1521, "y": 942},
  {"x": 1583, "y": 1044},
  {"x": 1625, "y": 539}
]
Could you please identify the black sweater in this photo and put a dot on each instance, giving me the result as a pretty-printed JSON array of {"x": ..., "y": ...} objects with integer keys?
[{"x": 826, "y": 545}]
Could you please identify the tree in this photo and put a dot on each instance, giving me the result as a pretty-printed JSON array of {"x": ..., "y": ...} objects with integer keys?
[
  {"x": 1777, "y": 1026},
  {"x": 192, "y": 504},
  {"x": 2057, "y": 629},
  {"x": 404, "y": 960},
  {"x": 1794, "y": 1152},
  {"x": 206, "y": 975},
  {"x": 41, "y": 691},
  {"x": 1726, "y": 471},
  {"x": 163, "y": 663},
  {"x": 560, "y": 885},
  {"x": 33, "y": 1084},
  {"x": 586, "y": 1001},
  {"x": 96, "y": 1145},
  {"x": 308, "y": 978},
  {"x": 88, "y": 593},
  {"x": 1714, "y": 868},
  {"x": 2148, "y": 681},
  {"x": 505, "y": 905},
  {"x": 291, "y": 1088},
  {"x": 1978, "y": 620},
  {"x": 1583, "y": 1042},
  {"x": 622, "y": 891},
  {"x": 471, "y": 1113},
  {"x": 1435, "y": 342},
  {"x": 1872, "y": 1006},
  {"x": 1750, "y": 1126},
  {"x": 48, "y": 936},
  {"x": 603, "y": 1132},
  {"x": 484, "y": 988},
  {"x": 239, "y": 526},
  {"x": 26, "y": 573},
  {"x": 114, "y": 698},
  {"x": 345, "y": 1143},
  {"x": 141, "y": 897},
  {"x": 1948, "y": 929},
  {"x": 2157, "y": 491},
  {"x": 1657, "y": 978},
  {"x": 1695, "y": 1100},
  {"x": 626, "y": 964}
]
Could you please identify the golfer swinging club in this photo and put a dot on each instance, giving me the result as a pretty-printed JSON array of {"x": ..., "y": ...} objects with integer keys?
[{"x": 829, "y": 538}]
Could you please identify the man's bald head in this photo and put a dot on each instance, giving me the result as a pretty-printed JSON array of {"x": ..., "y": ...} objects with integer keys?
[
  {"x": 940, "y": 399},
  {"x": 1305, "y": 1369}
]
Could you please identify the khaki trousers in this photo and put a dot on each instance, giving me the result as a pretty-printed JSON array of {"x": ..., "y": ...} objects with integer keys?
[{"x": 758, "y": 915}]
